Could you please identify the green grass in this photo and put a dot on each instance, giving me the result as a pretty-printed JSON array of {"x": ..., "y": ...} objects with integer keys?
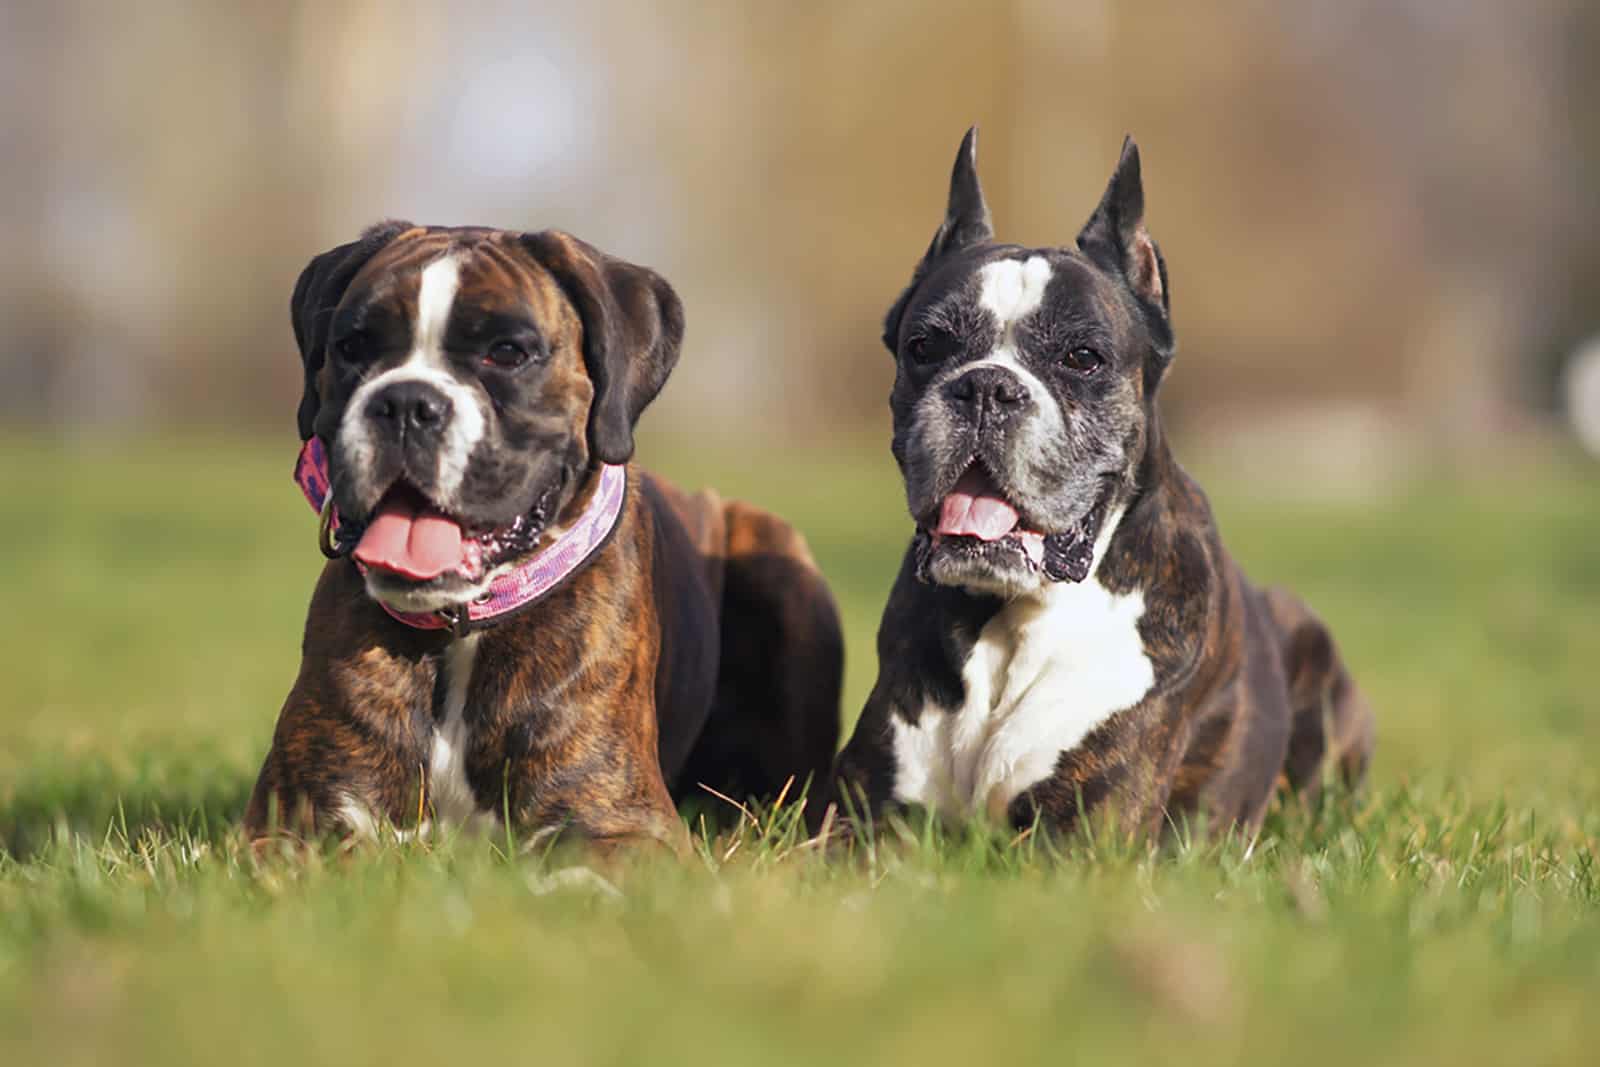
[{"x": 155, "y": 594}]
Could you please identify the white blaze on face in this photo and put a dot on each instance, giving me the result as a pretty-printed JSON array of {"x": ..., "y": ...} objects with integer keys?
[
  {"x": 1011, "y": 290},
  {"x": 436, "y": 295},
  {"x": 425, "y": 362}
]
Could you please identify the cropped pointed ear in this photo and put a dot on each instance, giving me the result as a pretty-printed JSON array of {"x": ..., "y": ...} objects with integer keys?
[
  {"x": 1115, "y": 238},
  {"x": 316, "y": 296},
  {"x": 966, "y": 216},
  {"x": 632, "y": 331},
  {"x": 966, "y": 223}
]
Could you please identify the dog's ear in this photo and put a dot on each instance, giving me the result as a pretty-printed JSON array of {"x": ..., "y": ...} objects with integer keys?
[
  {"x": 317, "y": 295},
  {"x": 966, "y": 223},
  {"x": 1115, "y": 238},
  {"x": 632, "y": 331},
  {"x": 966, "y": 216}
]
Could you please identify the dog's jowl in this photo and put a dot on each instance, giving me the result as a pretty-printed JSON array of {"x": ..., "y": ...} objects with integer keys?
[
  {"x": 514, "y": 620},
  {"x": 1067, "y": 630}
]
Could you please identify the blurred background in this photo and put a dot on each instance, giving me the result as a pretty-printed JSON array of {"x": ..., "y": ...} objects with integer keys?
[{"x": 1379, "y": 216}]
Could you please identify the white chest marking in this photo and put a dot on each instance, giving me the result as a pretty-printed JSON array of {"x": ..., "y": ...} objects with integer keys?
[
  {"x": 1045, "y": 672},
  {"x": 449, "y": 795}
]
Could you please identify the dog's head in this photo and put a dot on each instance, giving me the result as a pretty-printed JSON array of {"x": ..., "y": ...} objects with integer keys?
[
  {"x": 465, "y": 382},
  {"x": 1025, "y": 386}
]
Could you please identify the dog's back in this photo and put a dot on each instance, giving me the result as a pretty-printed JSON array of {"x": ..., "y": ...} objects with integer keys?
[{"x": 778, "y": 670}]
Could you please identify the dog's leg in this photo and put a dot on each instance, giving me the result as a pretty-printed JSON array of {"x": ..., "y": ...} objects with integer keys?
[
  {"x": 1122, "y": 776},
  {"x": 348, "y": 751},
  {"x": 327, "y": 773},
  {"x": 1331, "y": 720},
  {"x": 605, "y": 798}
]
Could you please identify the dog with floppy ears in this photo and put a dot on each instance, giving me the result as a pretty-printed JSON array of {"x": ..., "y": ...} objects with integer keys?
[
  {"x": 1067, "y": 632},
  {"x": 514, "y": 621}
]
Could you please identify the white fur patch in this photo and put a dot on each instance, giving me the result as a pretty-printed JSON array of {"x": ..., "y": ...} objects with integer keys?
[
  {"x": 1047, "y": 670},
  {"x": 922, "y": 764},
  {"x": 449, "y": 794},
  {"x": 361, "y": 822},
  {"x": 1013, "y": 289},
  {"x": 358, "y": 818},
  {"x": 436, "y": 295},
  {"x": 426, "y": 362}
]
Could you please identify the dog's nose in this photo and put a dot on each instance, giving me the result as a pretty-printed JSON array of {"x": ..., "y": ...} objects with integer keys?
[
  {"x": 986, "y": 392},
  {"x": 413, "y": 405}
]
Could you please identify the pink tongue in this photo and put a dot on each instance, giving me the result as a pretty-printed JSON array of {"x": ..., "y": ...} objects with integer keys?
[
  {"x": 418, "y": 546},
  {"x": 973, "y": 509}
]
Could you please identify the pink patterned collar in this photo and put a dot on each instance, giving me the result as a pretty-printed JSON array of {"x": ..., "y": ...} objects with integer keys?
[{"x": 525, "y": 583}]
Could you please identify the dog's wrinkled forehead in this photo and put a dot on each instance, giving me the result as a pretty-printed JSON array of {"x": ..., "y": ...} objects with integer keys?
[
  {"x": 483, "y": 281},
  {"x": 978, "y": 295}
]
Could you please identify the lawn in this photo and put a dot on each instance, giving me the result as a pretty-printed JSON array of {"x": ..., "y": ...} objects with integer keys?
[{"x": 1449, "y": 913}]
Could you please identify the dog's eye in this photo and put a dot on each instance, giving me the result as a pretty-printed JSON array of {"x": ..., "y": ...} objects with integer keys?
[
  {"x": 925, "y": 352},
  {"x": 352, "y": 347},
  {"x": 506, "y": 354},
  {"x": 1083, "y": 360}
]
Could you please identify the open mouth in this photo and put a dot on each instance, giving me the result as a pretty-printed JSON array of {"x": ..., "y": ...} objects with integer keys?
[
  {"x": 975, "y": 508},
  {"x": 410, "y": 537},
  {"x": 976, "y": 520}
]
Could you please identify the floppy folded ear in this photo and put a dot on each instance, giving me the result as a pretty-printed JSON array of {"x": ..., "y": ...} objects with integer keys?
[
  {"x": 966, "y": 223},
  {"x": 632, "y": 330},
  {"x": 317, "y": 295},
  {"x": 1115, "y": 238}
]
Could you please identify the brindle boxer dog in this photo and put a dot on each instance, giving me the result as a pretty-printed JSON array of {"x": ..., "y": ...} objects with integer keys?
[
  {"x": 516, "y": 622},
  {"x": 1067, "y": 630}
]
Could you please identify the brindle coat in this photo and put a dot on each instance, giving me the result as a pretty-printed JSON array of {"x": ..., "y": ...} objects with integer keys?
[
  {"x": 699, "y": 644},
  {"x": 1248, "y": 692}
]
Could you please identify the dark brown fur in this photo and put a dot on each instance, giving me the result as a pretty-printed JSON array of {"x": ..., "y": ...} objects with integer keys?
[
  {"x": 577, "y": 725},
  {"x": 699, "y": 645}
]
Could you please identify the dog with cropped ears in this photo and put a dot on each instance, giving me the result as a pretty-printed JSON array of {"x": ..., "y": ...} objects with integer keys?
[{"x": 1067, "y": 632}]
